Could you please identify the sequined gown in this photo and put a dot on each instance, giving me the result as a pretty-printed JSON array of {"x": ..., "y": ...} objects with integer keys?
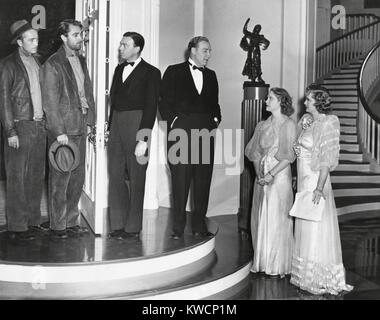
[
  {"x": 271, "y": 225},
  {"x": 317, "y": 257}
]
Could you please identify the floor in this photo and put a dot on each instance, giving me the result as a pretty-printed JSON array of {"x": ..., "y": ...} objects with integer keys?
[{"x": 360, "y": 239}]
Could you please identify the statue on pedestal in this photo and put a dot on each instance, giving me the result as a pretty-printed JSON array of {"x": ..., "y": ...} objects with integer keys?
[{"x": 252, "y": 42}]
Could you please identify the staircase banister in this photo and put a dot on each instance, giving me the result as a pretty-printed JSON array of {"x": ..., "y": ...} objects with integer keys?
[
  {"x": 362, "y": 15},
  {"x": 348, "y": 34},
  {"x": 360, "y": 82}
]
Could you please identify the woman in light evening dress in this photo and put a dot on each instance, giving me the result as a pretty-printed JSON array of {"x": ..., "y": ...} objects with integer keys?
[
  {"x": 317, "y": 258},
  {"x": 271, "y": 150}
]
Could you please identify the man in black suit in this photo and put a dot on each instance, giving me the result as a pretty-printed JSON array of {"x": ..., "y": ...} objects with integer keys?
[
  {"x": 189, "y": 100},
  {"x": 134, "y": 98}
]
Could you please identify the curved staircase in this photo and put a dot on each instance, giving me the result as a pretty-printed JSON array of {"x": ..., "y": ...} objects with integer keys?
[{"x": 356, "y": 186}]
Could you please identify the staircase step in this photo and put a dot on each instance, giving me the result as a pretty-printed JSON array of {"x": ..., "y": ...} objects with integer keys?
[
  {"x": 344, "y": 92},
  {"x": 345, "y": 165},
  {"x": 340, "y": 81},
  {"x": 354, "y": 147},
  {"x": 356, "y": 176},
  {"x": 353, "y": 69},
  {"x": 355, "y": 157},
  {"x": 340, "y": 86},
  {"x": 222, "y": 276},
  {"x": 358, "y": 208},
  {"x": 343, "y": 76},
  {"x": 347, "y": 121},
  {"x": 348, "y": 201},
  {"x": 345, "y": 113},
  {"x": 345, "y": 98},
  {"x": 354, "y": 185},
  {"x": 348, "y": 129},
  {"x": 345, "y": 105},
  {"x": 356, "y": 192},
  {"x": 348, "y": 138}
]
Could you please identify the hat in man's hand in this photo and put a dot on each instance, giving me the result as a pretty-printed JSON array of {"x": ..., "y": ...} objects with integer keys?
[
  {"x": 18, "y": 28},
  {"x": 64, "y": 158}
]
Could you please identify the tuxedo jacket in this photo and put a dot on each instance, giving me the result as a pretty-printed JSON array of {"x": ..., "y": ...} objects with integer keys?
[
  {"x": 179, "y": 95},
  {"x": 140, "y": 91}
]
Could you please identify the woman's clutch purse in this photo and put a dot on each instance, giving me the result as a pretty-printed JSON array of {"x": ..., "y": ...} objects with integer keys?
[{"x": 304, "y": 208}]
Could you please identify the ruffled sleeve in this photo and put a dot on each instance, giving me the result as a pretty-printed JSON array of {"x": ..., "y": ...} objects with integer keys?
[
  {"x": 287, "y": 136},
  {"x": 253, "y": 151},
  {"x": 327, "y": 149}
]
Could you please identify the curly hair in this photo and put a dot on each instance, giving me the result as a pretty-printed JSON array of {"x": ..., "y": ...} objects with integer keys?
[
  {"x": 285, "y": 100},
  {"x": 321, "y": 96}
]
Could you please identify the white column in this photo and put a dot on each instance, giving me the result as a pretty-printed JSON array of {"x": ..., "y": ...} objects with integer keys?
[
  {"x": 298, "y": 47},
  {"x": 198, "y": 17}
]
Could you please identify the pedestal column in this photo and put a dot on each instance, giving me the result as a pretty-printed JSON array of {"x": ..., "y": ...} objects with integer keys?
[{"x": 253, "y": 111}]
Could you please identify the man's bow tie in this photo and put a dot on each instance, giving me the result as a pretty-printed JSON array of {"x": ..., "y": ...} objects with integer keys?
[
  {"x": 201, "y": 69},
  {"x": 126, "y": 63}
]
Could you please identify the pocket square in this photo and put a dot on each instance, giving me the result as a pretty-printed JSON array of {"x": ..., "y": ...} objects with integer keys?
[{"x": 304, "y": 208}]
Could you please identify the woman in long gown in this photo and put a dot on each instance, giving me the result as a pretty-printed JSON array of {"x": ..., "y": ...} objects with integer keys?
[
  {"x": 271, "y": 150},
  {"x": 317, "y": 258}
]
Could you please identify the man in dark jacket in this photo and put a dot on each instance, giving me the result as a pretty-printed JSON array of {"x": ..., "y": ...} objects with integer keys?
[
  {"x": 23, "y": 122},
  {"x": 189, "y": 101},
  {"x": 134, "y": 98},
  {"x": 69, "y": 106}
]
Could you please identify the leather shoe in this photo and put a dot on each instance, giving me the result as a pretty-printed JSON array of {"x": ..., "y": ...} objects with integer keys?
[
  {"x": 45, "y": 225},
  {"x": 77, "y": 230},
  {"x": 115, "y": 233},
  {"x": 22, "y": 235},
  {"x": 37, "y": 230},
  {"x": 176, "y": 236},
  {"x": 58, "y": 234},
  {"x": 128, "y": 235},
  {"x": 201, "y": 235}
]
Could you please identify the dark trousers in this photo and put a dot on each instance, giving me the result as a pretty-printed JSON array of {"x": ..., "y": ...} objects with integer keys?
[
  {"x": 200, "y": 174},
  {"x": 25, "y": 171},
  {"x": 65, "y": 189},
  {"x": 126, "y": 174}
]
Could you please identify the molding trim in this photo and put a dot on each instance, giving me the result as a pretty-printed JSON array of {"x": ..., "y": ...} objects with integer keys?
[{"x": 198, "y": 17}]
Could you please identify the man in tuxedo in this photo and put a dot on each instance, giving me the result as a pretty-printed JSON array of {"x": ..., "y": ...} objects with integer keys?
[
  {"x": 69, "y": 106},
  {"x": 189, "y": 100},
  {"x": 134, "y": 98}
]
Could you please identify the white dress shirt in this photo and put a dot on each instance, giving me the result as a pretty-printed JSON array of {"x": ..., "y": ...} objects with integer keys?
[
  {"x": 197, "y": 76},
  {"x": 128, "y": 69}
]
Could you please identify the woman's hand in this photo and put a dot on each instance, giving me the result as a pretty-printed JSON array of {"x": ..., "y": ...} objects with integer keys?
[
  {"x": 297, "y": 149},
  {"x": 317, "y": 195},
  {"x": 267, "y": 179}
]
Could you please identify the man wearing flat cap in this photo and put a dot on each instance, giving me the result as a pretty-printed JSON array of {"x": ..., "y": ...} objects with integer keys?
[
  {"x": 22, "y": 117},
  {"x": 69, "y": 106}
]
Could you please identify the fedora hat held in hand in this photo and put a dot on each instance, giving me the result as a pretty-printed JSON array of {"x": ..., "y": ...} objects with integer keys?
[{"x": 64, "y": 158}]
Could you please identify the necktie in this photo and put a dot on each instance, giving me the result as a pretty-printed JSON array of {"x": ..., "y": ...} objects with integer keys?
[
  {"x": 201, "y": 69},
  {"x": 126, "y": 63}
]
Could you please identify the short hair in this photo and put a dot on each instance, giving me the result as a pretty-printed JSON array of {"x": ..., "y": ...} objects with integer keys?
[
  {"x": 195, "y": 41},
  {"x": 64, "y": 26},
  {"x": 286, "y": 101},
  {"x": 138, "y": 39},
  {"x": 321, "y": 96}
]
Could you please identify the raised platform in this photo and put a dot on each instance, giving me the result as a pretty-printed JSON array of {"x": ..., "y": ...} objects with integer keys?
[{"x": 155, "y": 266}]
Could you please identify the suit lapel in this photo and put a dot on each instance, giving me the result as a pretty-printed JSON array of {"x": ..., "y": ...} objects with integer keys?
[
  {"x": 136, "y": 76},
  {"x": 189, "y": 79}
]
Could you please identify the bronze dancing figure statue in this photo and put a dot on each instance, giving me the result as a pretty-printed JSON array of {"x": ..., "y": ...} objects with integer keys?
[{"x": 252, "y": 42}]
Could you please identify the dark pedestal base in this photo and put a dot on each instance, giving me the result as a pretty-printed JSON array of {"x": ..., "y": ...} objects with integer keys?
[{"x": 253, "y": 111}]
